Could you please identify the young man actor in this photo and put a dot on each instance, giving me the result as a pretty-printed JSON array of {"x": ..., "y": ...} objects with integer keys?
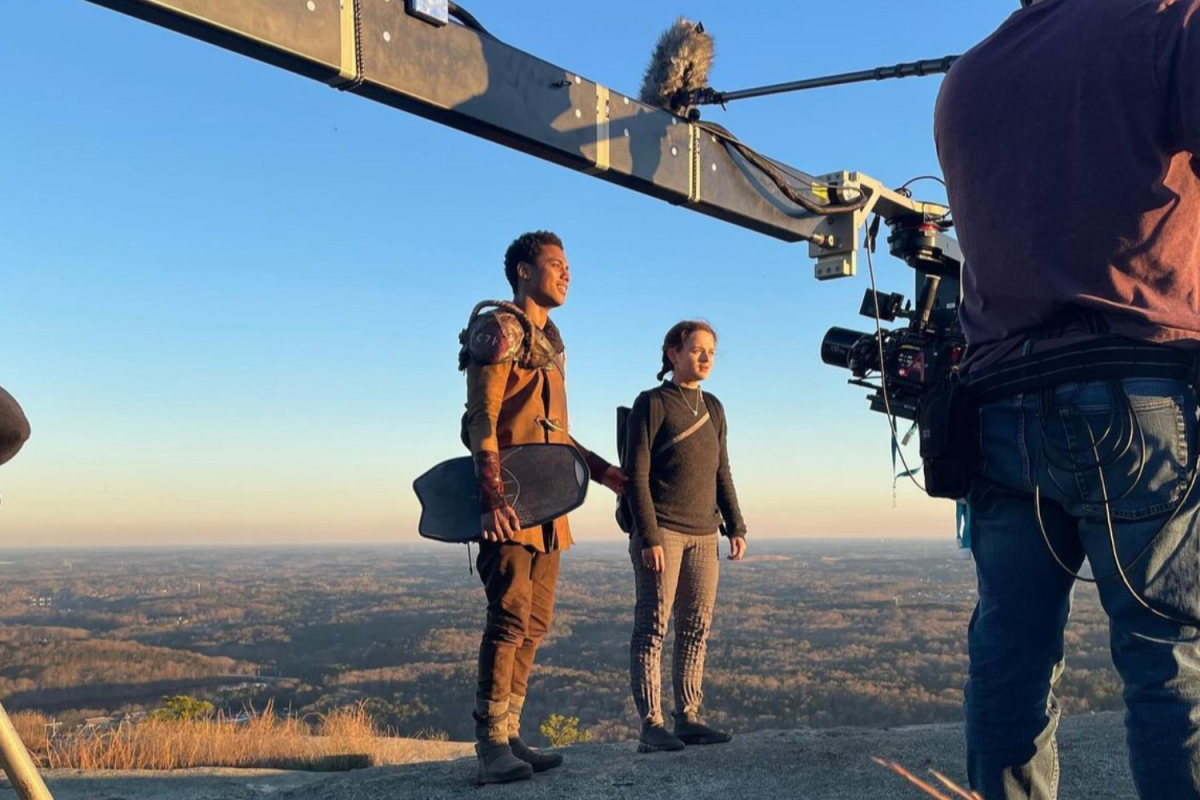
[{"x": 515, "y": 364}]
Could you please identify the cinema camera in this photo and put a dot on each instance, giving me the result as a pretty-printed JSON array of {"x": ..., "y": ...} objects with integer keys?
[{"x": 900, "y": 365}]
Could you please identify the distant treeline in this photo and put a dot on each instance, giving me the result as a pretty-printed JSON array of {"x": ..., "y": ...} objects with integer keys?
[{"x": 806, "y": 634}]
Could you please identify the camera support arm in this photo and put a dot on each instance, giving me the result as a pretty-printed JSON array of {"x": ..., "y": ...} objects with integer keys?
[{"x": 412, "y": 56}]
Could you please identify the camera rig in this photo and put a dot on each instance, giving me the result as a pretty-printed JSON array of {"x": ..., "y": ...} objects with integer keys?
[
  {"x": 900, "y": 365},
  {"x": 434, "y": 59}
]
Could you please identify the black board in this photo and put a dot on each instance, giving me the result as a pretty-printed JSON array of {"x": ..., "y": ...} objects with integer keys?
[{"x": 541, "y": 482}]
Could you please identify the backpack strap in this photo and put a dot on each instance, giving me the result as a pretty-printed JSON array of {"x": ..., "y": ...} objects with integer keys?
[
  {"x": 658, "y": 413},
  {"x": 622, "y": 431},
  {"x": 655, "y": 416},
  {"x": 718, "y": 413},
  {"x": 697, "y": 425}
]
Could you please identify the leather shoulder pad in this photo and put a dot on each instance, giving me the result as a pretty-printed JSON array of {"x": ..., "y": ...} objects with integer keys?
[{"x": 495, "y": 337}]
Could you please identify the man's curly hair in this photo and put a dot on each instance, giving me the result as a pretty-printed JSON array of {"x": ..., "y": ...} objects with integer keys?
[{"x": 526, "y": 248}]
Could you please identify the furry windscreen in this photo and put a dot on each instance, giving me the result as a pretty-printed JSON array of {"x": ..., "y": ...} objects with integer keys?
[{"x": 679, "y": 64}]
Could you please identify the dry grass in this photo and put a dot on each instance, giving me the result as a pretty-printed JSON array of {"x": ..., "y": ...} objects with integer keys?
[
  {"x": 957, "y": 791},
  {"x": 346, "y": 738},
  {"x": 31, "y": 727}
]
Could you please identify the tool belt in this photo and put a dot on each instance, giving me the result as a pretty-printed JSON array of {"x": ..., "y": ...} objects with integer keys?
[
  {"x": 947, "y": 414},
  {"x": 1093, "y": 360}
]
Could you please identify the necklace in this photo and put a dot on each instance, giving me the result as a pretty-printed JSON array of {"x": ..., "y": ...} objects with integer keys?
[{"x": 699, "y": 399}]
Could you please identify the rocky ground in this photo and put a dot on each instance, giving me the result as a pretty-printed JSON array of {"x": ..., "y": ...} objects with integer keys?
[{"x": 830, "y": 764}]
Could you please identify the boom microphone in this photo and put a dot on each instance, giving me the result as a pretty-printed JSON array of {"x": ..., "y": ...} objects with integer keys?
[
  {"x": 677, "y": 80},
  {"x": 678, "y": 67}
]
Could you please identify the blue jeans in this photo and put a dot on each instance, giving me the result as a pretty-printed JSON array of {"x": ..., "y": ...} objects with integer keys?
[{"x": 1053, "y": 440}]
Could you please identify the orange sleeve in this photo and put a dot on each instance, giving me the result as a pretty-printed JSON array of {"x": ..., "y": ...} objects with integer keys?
[{"x": 486, "y": 384}]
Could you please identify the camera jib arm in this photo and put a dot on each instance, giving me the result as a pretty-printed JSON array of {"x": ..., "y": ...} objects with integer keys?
[{"x": 433, "y": 59}]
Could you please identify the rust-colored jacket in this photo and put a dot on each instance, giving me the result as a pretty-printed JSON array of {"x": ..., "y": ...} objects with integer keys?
[{"x": 509, "y": 404}]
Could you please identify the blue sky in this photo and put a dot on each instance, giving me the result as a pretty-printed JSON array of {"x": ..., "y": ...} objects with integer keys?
[{"x": 232, "y": 295}]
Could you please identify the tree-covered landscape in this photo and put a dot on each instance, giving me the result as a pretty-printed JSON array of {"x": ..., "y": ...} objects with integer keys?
[{"x": 807, "y": 634}]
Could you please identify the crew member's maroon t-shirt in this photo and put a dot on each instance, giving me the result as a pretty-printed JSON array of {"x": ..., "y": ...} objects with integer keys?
[{"x": 1066, "y": 139}]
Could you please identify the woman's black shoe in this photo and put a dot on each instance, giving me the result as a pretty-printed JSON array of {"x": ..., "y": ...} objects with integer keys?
[
  {"x": 690, "y": 730},
  {"x": 657, "y": 739}
]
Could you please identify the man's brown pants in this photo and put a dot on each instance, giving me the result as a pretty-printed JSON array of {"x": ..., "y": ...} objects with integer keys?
[{"x": 519, "y": 583}]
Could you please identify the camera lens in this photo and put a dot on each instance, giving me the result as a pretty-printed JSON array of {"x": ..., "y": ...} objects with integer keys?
[{"x": 837, "y": 348}]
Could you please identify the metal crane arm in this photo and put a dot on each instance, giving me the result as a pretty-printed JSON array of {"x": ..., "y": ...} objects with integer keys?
[{"x": 461, "y": 76}]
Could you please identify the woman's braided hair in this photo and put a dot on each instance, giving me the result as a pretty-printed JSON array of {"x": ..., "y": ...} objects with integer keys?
[{"x": 675, "y": 338}]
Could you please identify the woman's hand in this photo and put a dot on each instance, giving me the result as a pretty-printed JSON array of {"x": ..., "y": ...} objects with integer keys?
[
  {"x": 737, "y": 548},
  {"x": 654, "y": 559}
]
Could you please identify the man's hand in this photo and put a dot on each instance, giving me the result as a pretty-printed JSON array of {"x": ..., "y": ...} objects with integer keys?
[
  {"x": 499, "y": 525},
  {"x": 614, "y": 479},
  {"x": 497, "y": 522},
  {"x": 654, "y": 559},
  {"x": 737, "y": 548}
]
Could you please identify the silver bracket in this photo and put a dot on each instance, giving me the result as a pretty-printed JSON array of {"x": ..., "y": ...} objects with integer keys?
[
  {"x": 435, "y": 12},
  {"x": 835, "y": 246},
  {"x": 837, "y": 253}
]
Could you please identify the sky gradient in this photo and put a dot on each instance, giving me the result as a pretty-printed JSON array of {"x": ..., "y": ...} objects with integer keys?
[{"x": 232, "y": 295}]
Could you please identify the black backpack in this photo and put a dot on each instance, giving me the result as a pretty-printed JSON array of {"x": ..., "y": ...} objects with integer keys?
[{"x": 624, "y": 512}]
